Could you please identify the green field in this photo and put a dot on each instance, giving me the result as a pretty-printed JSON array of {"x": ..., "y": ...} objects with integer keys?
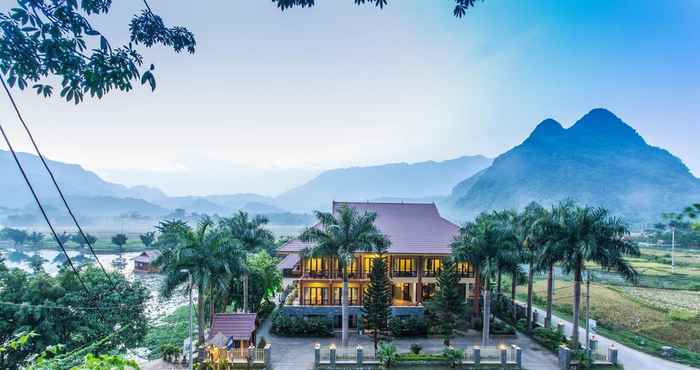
[{"x": 663, "y": 310}]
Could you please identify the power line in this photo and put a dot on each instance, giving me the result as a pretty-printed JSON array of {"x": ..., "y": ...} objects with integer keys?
[
  {"x": 55, "y": 183},
  {"x": 69, "y": 308},
  {"x": 46, "y": 218}
]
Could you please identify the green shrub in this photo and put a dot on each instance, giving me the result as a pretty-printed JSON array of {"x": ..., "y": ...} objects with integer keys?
[
  {"x": 262, "y": 343},
  {"x": 387, "y": 355},
  {"x": 453, "y": 355},
  {"x": 408, "y": 327},
  {"x": 549, "y": 338},
  {"x": 501, "y": 328},
  {"x": 416, "y": 348},
  {"x": 265, "y": 310},
  {"x": 298, "y": 326}
]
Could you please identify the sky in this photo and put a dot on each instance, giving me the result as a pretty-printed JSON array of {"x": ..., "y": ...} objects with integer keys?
[{"x": 271, "y": 98}]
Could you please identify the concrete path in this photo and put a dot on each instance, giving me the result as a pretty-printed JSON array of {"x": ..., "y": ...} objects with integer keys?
[{"x": 630, "y": 358}]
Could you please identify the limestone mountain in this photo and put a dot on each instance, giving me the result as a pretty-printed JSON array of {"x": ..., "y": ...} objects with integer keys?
[{"x": 599, "y": 161}]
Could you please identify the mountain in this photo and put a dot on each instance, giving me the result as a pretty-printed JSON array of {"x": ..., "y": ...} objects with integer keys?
[
  {"x": 396, "y": 180},
  {"x": 599, "y": 161},
  {"x": 74, "y": 180}
]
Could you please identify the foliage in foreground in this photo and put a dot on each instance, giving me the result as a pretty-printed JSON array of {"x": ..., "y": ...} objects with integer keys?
[{"x": 57, "y": 309}]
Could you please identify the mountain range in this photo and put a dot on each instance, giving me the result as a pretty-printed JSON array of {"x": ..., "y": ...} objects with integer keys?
[
  {"x": 599, "y": 161},
  {"x": 422, "y": 181}
]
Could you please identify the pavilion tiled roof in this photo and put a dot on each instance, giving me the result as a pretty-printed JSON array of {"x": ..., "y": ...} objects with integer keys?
[
  {"x": 412, "y": 228},
  {"x": 240, "y": 326}
]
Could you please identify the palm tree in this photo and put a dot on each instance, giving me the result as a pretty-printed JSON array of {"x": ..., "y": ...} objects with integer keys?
[
  {"x": 529, "y": 226},
  {"x": 478, "y": 243},
  {"x": 550, "y": 255},
  {"x": 586, "y": 234},
  {"x": 509, "y": 256},
  {"x": 341, "y": 235},
  {"x": 253, "y": 236},
  {"x": 210, "y": 256}
]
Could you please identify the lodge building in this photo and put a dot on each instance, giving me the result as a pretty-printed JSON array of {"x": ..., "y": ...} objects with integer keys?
[{"x": 420, "y": 241}]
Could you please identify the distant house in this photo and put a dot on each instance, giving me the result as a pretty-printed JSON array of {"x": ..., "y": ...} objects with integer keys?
[
  {"x": 144, "y": 261},
  {"x": 234, "y": 331}
]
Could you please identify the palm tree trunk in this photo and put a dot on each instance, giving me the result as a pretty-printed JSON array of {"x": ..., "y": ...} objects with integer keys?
[
  {"x": 577, "y": 302},
  {"x": 487, "y": 315},
  {"x": 530, "y": 278},
  {"x": 344, "y": 308},
  {"x": 200, "y": 314},
  {"x": 550, "y": 296},
  {"x": 498, "y": 286},
  {"x": 513, "y": 287}
]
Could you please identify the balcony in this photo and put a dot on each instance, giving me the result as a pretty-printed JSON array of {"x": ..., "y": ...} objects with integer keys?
[
  {"x": 332, "y": 274},
  {"x": 316, "y": 302},
  {"x": 351, "y": 302},
  {"x": 404, "y": 274}
]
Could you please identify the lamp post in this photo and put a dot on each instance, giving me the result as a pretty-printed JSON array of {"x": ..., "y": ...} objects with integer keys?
[{"x": 189, "y": 280}]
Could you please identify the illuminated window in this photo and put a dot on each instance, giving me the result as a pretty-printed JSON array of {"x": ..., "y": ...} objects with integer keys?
[
  {"x": 404, "y": 266},
  {"x": 315, "y": 295},
  {"x": 353, "y": 296}
]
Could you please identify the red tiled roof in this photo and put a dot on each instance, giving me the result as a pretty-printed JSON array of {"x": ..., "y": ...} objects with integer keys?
[
  {"x": 237, "y": 325},
  {"x": 411, "y": 227}
]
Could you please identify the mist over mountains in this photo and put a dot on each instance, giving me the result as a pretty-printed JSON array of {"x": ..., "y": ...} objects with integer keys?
[{"x": 599, "y": 161}]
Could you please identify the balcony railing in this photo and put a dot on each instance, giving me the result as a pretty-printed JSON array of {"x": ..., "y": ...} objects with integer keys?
[
  {"x": 431, "y": 273},
  {"x": 325, "y": 274},
  {"x": 404, "y": 273},
  {"x": 351, "y": 302},
  {"x": 316, "y": 302}
]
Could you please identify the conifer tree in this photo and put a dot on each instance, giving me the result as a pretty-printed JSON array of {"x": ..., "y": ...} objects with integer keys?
[
  {"x": 377, "y": 300},
  {"x": 448, "y": 304}
]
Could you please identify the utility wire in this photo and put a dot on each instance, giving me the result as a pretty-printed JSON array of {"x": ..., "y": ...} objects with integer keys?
[
  {"x": 46, "y": 218},
  {"x": 55, "y": 183},
  {"x": 118, "y": 307}
]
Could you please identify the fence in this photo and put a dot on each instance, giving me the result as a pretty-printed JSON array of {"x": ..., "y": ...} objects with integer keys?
[
  {"x": 250, "y": 355},
  {"x": 332, "y": 356}
]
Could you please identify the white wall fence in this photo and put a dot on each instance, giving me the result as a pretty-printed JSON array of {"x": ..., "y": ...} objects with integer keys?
[{"x": 331, "y": 356}]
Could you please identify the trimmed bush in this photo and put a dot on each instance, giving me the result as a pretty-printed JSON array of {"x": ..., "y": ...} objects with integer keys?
[
  {"x": 549, "y": 338},
  {"x": 408, "y": 327},
  {"x": 298, "y": 326},
  {"x": 265, "y": 310},
  {"x": 416, "y": 348}
]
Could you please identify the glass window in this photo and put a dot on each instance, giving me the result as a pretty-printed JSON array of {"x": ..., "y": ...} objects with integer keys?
[
  {"x": 315, "y": 295},
  {"x": 353, "y": 296},
  {"x": 404, "y": 266}
]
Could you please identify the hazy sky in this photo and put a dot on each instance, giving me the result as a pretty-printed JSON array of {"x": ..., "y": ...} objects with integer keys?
[{"x": 269, "y": 93}]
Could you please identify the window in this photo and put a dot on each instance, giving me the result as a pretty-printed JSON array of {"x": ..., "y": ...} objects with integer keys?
[
  {"x": 465, "y": 269},
  {"x": 353, "y": 296},
  {"x": 404, "y": 267},
  {"x": 316, "y": 266},
  {"x": 315, "y": 296},
  {"x": 352, "y": 267},
  {"x": 432, "y": 266}
]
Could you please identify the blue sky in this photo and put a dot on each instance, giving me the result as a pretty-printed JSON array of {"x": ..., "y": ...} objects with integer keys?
[{"x": 271, "y": 98}]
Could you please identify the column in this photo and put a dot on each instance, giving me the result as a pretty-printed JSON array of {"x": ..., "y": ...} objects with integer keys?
[
  {"x": 267, "y": 355},
  {"x": 419, "y": 284},
  {"x": 477, "y": 355}
]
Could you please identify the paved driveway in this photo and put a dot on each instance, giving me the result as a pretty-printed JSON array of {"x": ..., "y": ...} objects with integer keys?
[{"x": 298, "y": 353}]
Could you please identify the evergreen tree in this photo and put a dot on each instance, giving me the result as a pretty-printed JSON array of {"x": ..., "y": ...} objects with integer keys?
[
  {"x": 377, "y": 300},
  {"x": 447, "y": 306}
]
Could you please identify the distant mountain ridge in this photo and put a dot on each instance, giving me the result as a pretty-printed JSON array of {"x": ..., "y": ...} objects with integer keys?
[
  {"x": 74, "y": 180},
  {"x": 599, "y": 161},
  {"x": 429, "y": 179}
]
